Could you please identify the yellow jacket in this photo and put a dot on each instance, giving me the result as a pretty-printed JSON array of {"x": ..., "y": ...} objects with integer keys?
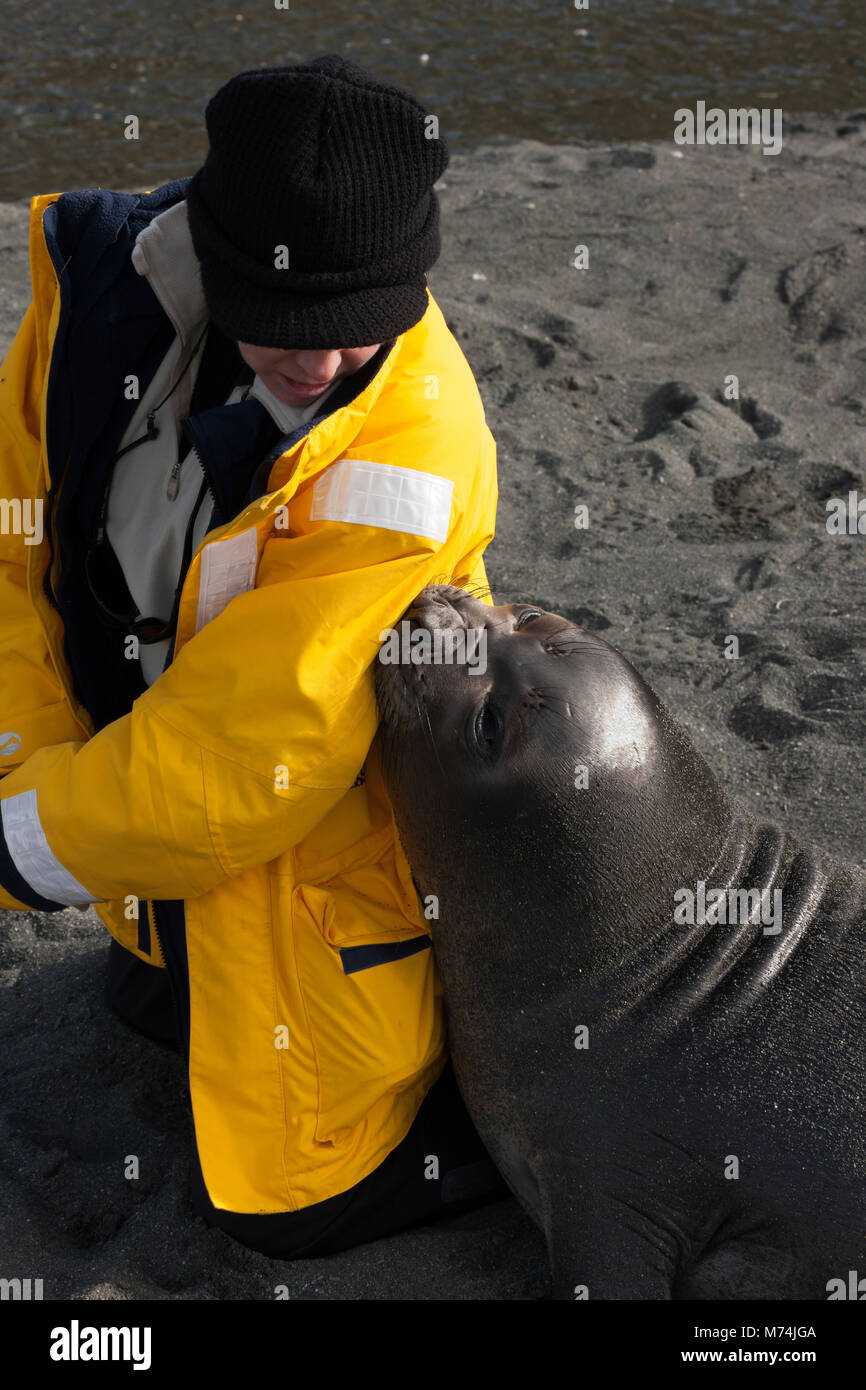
[{"x": 231, "y": 789}]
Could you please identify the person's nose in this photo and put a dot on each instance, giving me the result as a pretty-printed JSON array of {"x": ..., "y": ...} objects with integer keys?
[{"x": 316, "y": 365}]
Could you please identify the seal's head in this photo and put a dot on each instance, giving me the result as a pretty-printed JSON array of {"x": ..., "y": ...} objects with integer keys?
[{"x": 537, "y": 763}]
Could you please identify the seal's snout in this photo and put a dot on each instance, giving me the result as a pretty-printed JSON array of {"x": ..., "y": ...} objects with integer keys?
[
  {"x": 437, "y": 606},
  {"x": 440, "y": 638}
]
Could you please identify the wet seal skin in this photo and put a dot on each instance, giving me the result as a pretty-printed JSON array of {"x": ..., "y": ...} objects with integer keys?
[{"x": 677, "y": 1096}]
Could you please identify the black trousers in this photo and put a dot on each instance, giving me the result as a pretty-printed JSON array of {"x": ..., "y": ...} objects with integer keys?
[{"x": 439, "y": 1169}]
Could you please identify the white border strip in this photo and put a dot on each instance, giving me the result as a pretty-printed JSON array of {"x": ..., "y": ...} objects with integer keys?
[
  {"x": 228, "y": 568},
  {"x": 33, "y": 856},
  {"x": 386, "y": 495}
]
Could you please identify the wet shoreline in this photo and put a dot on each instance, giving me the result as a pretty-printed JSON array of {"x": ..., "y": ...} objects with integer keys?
[{"x": 611, "y": 71}]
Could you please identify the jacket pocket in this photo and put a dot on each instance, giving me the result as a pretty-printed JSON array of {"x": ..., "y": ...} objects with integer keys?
[{"x": 372, "y": 1008}]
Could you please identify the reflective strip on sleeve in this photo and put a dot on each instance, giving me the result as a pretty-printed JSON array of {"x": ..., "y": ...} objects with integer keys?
[
  {"x": 228, "y": 568},
  {"x": 32, "y": 855},
  {"x": 383, "y": 494}
]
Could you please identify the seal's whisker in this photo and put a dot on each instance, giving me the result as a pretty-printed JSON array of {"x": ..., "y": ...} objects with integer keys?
[
  {"x": 551, "y": 693},
  {"x": 553, "y": 710},
  {"x": 426, "y": 718},
  {"x": 476, "y": 590}
]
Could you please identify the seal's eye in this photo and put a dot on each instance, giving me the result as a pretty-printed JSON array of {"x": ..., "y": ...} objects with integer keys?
[
  {"x": 486, "y": 727},
  {"x": 526, "y": 618}
]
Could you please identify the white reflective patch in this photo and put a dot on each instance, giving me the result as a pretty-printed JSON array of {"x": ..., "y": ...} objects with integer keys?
[
  {"x": 383, "y": 494},
  {"x": 32, "y": 854},
  {"x": 228, "y": 568}
]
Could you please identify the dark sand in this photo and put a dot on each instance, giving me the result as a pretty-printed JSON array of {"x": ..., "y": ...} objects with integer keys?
[{"x": 706, "y": 518}]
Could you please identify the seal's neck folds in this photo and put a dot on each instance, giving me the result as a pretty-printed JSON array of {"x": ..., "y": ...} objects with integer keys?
[{"x": 729, "y": 934}]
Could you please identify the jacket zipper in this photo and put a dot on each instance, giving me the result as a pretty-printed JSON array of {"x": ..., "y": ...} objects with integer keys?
[
  {"x": 155, "y": 927},
  {"x": 52, "y": 493},
  {"x": 46, "y": 578},
  {"x": 207, "y": 476},
  {"x": 175, "y": 988},
  {"x": 173, "y": 483}
]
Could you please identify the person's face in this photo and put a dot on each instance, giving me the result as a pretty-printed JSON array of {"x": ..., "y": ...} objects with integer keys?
[{"x": 299, "y": 375}]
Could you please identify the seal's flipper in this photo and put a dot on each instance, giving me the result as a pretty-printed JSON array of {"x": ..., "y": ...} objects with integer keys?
[{"x": 602, "y": 1243}]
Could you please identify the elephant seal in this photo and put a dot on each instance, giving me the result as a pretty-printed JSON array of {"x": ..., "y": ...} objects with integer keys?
[{"x": 680, "y": 1105}]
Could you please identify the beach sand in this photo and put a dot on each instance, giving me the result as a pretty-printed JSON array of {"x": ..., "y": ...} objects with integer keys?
[{"x": 603, "y": 387}]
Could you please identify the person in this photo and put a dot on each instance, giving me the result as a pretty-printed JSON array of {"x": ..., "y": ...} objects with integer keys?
[{"x": 252, "y": 440}]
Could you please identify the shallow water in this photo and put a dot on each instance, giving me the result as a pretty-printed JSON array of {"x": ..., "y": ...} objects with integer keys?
[{"x": 539, "y": 68}]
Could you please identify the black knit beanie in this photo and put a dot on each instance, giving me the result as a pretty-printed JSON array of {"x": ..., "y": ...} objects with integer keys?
[{"x": 326, "y": 160}]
